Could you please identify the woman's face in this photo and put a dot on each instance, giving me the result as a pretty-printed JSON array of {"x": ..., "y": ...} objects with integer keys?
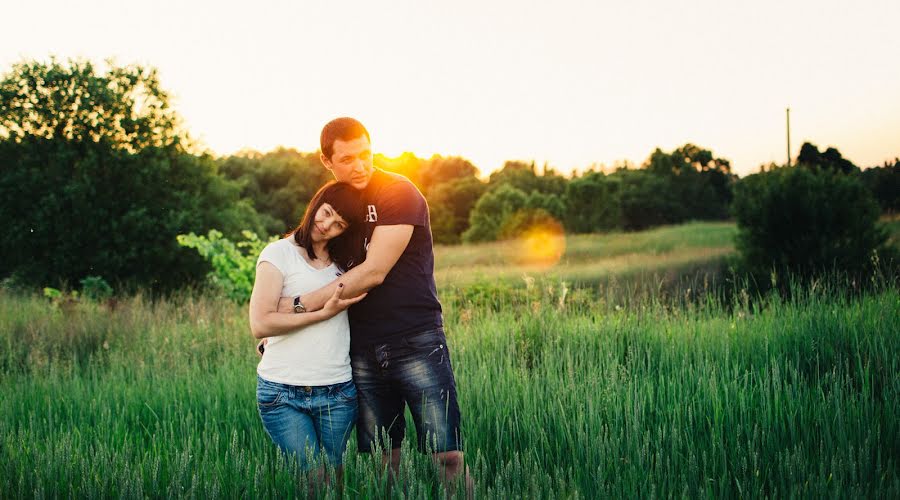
[{"x": 327, "y": 224}]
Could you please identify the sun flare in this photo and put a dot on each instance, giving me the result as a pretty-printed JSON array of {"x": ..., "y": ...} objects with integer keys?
[{"x": 542, "y": 245}]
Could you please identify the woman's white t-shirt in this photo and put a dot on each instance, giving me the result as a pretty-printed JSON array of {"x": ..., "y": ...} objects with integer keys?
[{"x": 317, "y": 354}]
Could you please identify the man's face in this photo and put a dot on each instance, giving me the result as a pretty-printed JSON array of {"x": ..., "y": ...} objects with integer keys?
[{"x": 351, "y": 161}]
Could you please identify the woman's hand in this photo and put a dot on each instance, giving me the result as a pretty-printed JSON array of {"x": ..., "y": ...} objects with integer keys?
[
  {"x": 261, "y": 347},
  {"x": 336, "y": 304}
]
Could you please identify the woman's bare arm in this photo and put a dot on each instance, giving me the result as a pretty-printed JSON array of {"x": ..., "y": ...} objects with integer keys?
[{"x": 266, "y": 321}]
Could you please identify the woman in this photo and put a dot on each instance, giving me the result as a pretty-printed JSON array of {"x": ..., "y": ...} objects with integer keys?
[{"x": 305, "y": 394}]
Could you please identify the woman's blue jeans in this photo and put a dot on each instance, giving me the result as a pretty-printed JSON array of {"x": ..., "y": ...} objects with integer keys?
[{"x": 308, "y": 421}]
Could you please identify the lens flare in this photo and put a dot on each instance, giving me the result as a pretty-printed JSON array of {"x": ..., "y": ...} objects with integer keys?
[{"x": 541, "y": 245}]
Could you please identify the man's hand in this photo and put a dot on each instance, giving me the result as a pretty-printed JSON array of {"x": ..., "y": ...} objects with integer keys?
[
  {"x": 386, "y": 247},
  {"x": 336, "y": 304}
]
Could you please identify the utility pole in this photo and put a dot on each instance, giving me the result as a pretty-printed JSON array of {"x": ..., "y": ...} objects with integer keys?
[{"x": 789, "y": 137}]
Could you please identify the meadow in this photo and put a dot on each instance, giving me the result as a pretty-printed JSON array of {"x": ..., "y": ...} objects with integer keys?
[{"x": 623, "y": 371}]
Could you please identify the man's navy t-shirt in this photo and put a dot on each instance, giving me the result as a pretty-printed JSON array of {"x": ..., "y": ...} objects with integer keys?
[{"x": 406, "y": 302}]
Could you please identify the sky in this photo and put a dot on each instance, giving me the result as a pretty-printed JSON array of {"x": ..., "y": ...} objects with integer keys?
[{"x": 571, "y": 84}]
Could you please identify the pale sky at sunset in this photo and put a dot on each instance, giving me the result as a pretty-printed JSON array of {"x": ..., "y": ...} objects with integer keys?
[{"x": 566, "y": 82}]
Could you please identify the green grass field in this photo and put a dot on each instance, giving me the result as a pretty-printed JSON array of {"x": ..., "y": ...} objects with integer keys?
[
  {"x": 592, "y": 258},
  {"x": 565, "y": 391}
]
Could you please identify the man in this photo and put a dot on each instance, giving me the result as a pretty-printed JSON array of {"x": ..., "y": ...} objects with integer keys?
[{"x": 398, "y": 351}]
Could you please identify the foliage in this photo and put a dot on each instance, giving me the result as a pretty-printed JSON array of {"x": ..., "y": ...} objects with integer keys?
[
  {"x": 593, "y": 203},
  {"x": 450, "y": 203},
  {"x": 830, "y": 160},
  {"x": 805, "y": 221},
  {"x": 884, "y": 182},
  {"x": 501, "y": 210},
  {"x": 96, "y": 288},
  {"x": 88, "y": 187},
  {"x": 524, "y": 177},
  {"x": 54, "y": 293},
  {"x": 93, "y": 288},
  {"x": 233, "y": 264},
  {"x": 491, "y": 210},
  {"x": 646, "y": 200},
  {"x": 125, "y": 107},
  {"x": 439, "y": 170},
  {"x": 519, "y": 222},
  {"x": 279, "y": 184},
  {"x": 700, "y": 183}
]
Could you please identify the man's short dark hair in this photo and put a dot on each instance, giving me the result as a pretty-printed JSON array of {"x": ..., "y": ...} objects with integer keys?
[{"x": 344, "y": 129}]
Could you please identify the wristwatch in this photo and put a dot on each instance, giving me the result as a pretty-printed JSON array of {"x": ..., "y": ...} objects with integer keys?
[{"x": 298, "y": 306}]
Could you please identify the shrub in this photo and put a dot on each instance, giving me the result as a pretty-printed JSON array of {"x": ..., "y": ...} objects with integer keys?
[
  {"x": 504, "y": 212},
  {"x": 96, "y": 288},
  {"x": 804, "y": 221},
  {"x": 233, "y": 264},
  {"x": 491, "y": 211}
]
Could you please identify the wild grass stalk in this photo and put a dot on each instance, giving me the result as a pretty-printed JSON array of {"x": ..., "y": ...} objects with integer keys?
[{"x": 600, "y": 394}]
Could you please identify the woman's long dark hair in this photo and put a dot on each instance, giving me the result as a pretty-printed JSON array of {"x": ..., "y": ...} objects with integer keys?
[{"x": 347, "y": 249}]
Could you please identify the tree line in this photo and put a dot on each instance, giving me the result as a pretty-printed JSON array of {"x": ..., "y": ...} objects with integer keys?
[{"x": 98, "y": 176}]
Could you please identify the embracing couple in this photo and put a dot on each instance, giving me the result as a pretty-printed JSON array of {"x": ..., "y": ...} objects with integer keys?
[{"x": 365, "y": 244}]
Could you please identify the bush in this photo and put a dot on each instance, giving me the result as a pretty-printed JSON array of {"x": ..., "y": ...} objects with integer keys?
[
  {"x": 500, "y": 213},
  {"x": 805, "y": 221},
  {"x": 491, "y": 211},
  {"x": 96, "y": 288},
  {"x": 234, "y": 265}
]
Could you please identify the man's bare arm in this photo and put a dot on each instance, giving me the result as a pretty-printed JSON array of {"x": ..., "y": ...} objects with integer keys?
[{"x": 386, "y": 247}]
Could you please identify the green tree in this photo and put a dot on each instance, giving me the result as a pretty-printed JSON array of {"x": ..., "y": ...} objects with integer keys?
[
  {"x": 439, "y": 170},
  {"x": 490, "y": 212},
  {"x": 279, "y": 183},
  {"x": 647, "y": 199},
  {"x": 592, "y": 203},
  {"x": 96, "y": 179},
  {"x": 701, "y": 183},
  {"x": 450, "y": 204},
  {"x": 884, "y": 183},
  {"x": 524, "y": 177},
  {"x": 830, "y": 159},
  {"x": 124, "y": 108},
  {"x": 500, "y": 213},
  {"x": 550, "y": 203}
]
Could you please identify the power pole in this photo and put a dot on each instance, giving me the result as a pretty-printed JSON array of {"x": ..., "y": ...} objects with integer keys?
[{"x": 789, "y": 137}]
